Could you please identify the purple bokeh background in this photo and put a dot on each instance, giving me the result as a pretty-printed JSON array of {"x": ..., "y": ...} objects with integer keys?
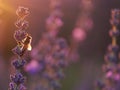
[{"x": 80, "y": 75}]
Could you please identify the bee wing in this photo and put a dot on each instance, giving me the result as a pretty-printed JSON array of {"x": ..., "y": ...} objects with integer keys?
[{"x": 29, "y": 48}]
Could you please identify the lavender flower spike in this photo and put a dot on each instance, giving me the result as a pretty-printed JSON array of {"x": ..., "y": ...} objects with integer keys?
[
  {"x": 23, "y": 40},
  {"x": 111, "y": 79}
]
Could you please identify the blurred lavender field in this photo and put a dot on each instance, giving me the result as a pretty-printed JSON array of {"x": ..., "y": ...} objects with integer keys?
[{"x": 89, "y": 41}]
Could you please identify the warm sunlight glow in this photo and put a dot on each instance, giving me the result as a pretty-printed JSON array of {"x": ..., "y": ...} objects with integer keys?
[{"x": 5, "y": 7}]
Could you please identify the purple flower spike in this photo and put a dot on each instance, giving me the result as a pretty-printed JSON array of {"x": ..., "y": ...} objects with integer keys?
[
  {"x": 23, "y": 40},
  {"x": 112, "y": 67}
]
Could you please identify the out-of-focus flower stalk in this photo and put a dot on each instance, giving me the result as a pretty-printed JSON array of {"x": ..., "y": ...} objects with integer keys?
[
  {"x": 49, "y": 57},
  {"x": 111, "y": 68},
  {"x": 23, "y": 40}
]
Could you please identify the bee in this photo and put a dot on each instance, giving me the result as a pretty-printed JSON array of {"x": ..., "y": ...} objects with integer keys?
[{"x": 27, "y": 43}]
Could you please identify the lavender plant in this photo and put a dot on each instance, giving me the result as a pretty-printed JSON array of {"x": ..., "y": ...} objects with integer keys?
[
  {"x": 111, "y": 68},
  {"x": 23, "y": 40},
  {"x": 49, "y": 57}
]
